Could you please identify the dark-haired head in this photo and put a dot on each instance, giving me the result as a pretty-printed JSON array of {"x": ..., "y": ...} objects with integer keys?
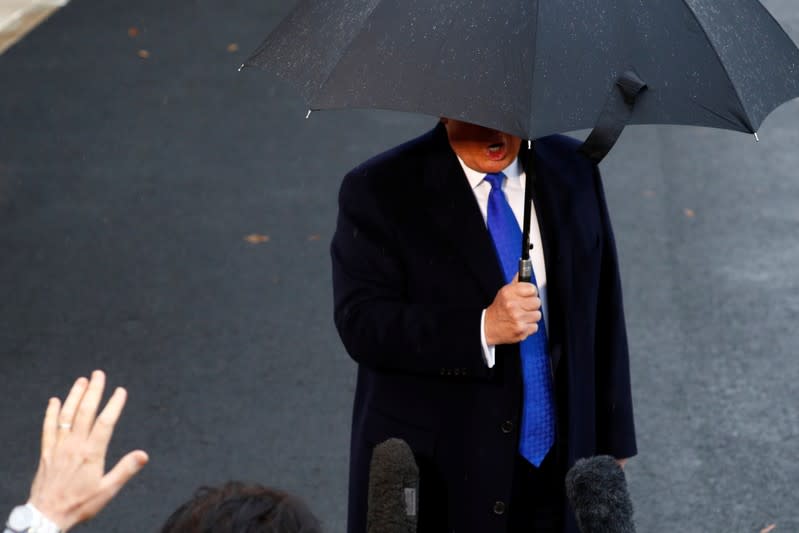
[{"x": 237, "y": 507}]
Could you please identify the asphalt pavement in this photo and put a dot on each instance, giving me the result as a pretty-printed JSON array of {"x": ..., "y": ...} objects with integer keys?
[{"x": 167, "y": 218}]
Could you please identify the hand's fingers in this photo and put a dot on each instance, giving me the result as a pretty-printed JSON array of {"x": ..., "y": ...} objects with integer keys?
[
  {"x": 531, "y": 329},
  {"x": 126, "y": 468},
  {"x": 530, "y": 304},
  {"x": 50, "y": 428},
  {"x": 67, "y": 414},
  {"x": 104, "y": 425},
  {"x": 536, "y": 316},
  {"x": 87, "y": 409},
  {"x": 525, "y": 290},
  {"x": 527, "y": 319},
  {"x": 108, "y": 487}
]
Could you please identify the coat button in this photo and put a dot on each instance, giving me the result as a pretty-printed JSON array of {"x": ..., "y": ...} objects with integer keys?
[
  {"x": 507, "y": 426},
  {"x": 499, "y": 508}
]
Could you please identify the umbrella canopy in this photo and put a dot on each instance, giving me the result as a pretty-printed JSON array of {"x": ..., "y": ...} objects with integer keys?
[{"x": 531, "y": 67}]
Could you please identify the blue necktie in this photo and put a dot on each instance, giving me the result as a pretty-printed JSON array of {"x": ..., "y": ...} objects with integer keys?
[{"x": 537, "y": 432}]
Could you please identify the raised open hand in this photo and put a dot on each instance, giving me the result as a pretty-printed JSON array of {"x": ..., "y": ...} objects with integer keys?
[{"x": 71, "y": 484}]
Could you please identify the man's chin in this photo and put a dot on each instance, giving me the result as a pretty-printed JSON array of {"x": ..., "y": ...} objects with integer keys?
[{"x": 491, "y": 166}]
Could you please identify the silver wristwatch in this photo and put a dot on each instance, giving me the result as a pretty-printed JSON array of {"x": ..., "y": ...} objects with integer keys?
[{"x": 28, "y": 519}]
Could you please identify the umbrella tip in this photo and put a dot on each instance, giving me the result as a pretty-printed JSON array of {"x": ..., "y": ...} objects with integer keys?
[
  {"x": 757, "y": 139},
  {"x": 308, "y": 114}
]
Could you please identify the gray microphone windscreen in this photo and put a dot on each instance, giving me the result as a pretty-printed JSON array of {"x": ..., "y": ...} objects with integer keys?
[
  {"x": 597, "y": 490},
  {"x": 393, "y": 489}
]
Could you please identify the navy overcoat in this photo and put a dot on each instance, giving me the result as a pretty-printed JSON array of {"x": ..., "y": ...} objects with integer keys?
[{"x": 413, "y": 268}]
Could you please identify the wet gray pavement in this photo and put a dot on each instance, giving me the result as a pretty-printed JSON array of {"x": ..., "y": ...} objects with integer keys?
[{"x": 128, "y": 186}]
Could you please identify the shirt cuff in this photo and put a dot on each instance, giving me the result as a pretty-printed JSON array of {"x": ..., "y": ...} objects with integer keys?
[{"x": 488, "y": 351}]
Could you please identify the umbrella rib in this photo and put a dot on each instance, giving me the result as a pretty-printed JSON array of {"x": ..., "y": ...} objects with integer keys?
[
  {"x": 532, "y": 74},
  {"x": 718, "y": 115},
  {"x": 343, "y": 53},
  {"x": 713, "y": 47},
  {"x": 787, "y": 36}
]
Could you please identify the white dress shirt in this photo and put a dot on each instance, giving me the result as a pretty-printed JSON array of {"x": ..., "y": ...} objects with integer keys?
[{"x": 513, "y": 187}]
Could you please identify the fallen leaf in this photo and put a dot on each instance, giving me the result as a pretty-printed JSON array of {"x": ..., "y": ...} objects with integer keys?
[
  {"x": 689, "y": 213},
  {"x": 767, "y": 529},
  {"x": 144, "y": 54},
  {"x": 314, "y": 237},
  {"x": 133, "y": 31},
  {"x": 256, "y": 238},
  {"x": 233, "y": 47}
]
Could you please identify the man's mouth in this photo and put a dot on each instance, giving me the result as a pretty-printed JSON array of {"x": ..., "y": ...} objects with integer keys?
[{"x": 496, "y": 151}]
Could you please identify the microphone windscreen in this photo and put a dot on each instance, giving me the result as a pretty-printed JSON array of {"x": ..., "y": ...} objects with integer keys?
[
  {"x": 597, "y": 490},
  {"x": 393, "y": 489}
]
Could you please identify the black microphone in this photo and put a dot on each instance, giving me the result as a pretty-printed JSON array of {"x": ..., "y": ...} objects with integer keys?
[
  {"x": 393, "y": 489},
  {"x": 597, "y": 490}
]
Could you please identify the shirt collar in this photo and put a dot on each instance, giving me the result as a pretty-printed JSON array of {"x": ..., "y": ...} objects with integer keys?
[{"x": 512, "y": 172}]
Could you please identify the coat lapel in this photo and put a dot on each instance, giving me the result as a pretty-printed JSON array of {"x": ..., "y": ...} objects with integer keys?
[{"x": 456, "y": 215}]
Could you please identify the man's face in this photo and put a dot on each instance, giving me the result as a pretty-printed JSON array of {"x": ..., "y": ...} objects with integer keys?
[{"x": 482, "y": 149}]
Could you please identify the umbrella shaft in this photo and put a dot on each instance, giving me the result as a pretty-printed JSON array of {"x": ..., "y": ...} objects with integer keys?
[{"x": 529, "y": 184}]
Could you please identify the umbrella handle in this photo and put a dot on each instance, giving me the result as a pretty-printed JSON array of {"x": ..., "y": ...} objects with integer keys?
[{"x": 525, "y": 270}]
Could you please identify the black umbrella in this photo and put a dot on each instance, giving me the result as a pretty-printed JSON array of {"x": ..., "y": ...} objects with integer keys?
[{"x": 533, "y": 68}]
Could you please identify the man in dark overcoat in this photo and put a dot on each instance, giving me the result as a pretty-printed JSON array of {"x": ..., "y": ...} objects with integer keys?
[{"x": 424, "y": 308}]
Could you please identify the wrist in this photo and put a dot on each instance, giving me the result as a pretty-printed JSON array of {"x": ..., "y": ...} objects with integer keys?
[
  {"x": 50, "y": 509},
  {"x": 28, "y": 519},
  {"x": 488, "y": 336},
  {"x": 46, "y": 524}
]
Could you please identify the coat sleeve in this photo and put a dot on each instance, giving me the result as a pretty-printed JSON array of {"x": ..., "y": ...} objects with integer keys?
[
  {"x": 614, "y": 416},
  {"x": 381, "y": 325}
]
